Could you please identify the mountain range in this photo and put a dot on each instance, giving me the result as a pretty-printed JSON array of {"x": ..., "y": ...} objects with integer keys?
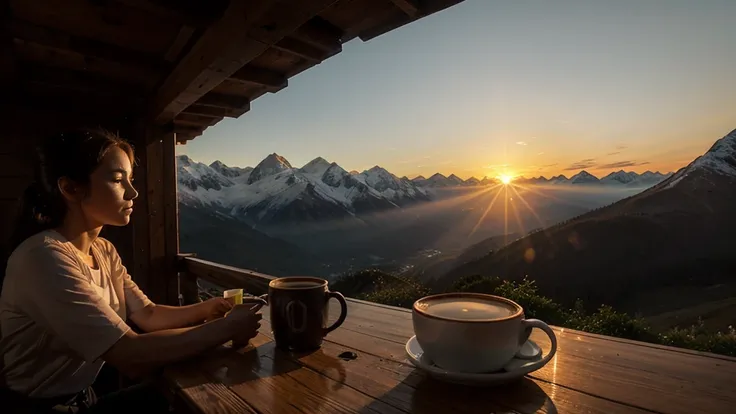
[
  {"x": 618, "y": 178},
  {"x": 676, "y": 237},
  {"x": 274, "y": 191}
]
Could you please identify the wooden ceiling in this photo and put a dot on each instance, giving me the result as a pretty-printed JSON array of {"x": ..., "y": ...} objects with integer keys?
[{"x": 182, "y": 63}]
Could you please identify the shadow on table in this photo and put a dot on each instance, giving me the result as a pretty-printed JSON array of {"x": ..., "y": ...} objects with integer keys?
[
  {"x": 263, "y": 360},
  {"x": 428, "y": 396}
]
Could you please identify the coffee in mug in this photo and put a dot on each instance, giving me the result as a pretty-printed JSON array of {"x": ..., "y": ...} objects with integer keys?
[
  {"x": 473, "y": 332},
  {"x": 299, "y": 309}
]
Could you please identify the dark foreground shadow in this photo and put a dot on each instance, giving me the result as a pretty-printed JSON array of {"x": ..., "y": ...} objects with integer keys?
[{"x": 423, "y": 395}]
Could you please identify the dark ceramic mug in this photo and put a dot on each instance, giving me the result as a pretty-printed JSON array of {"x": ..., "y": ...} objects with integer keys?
[{"x": 299, "y": 309}]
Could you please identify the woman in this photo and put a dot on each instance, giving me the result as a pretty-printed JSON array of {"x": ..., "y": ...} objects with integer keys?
[{"x": 66, "y": 296}]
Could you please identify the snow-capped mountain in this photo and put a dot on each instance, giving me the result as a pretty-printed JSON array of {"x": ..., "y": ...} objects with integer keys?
[
  {"x": 678, "y": 233},
  {"x": 317, "y": 166},
  {"x": 648, "y": 179},
  {"x": 199, "y": 183},
  {"x": 230, "y": 172},
  {"x": 391, "y": 187},
  {"x": 620, "y": 177},
  {"x": 533, "y": 180},
  {"x": 718, "y": 162},
  {"x": 275, "y": 191},
  {"x": 271, "y": 165},
  {"x": 584, "y": 177},
  {"x": 560, "y": 179}
]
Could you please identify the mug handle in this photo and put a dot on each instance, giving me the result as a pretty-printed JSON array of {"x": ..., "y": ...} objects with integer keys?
[
  {"x": 528, "y": 324},
  {"x": 343, "y": 312}
]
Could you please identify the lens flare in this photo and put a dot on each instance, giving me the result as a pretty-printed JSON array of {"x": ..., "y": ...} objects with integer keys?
[{"x": 506, "y": 179}]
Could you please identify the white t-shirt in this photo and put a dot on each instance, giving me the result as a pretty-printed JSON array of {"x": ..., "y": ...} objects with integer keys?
[{"x": 57, "y": 317}]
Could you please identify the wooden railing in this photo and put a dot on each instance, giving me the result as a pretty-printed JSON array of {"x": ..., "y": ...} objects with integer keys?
[{"x": 229, "y": 277}]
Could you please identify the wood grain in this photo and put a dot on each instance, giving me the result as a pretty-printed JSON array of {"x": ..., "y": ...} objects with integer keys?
[
  {"x": 627, "y": 373},
  {"x": 202, "y": 394},
  {"x": 390, "y": 378},
  {"x": 171, "y": 215}
]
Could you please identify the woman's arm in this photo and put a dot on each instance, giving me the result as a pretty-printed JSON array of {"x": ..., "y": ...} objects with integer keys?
[
  {"x": 137, "y": 355},
  {"x": 154, "y": 318}
]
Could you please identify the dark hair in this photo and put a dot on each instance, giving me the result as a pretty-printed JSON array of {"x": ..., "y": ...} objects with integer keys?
[{"x": 75, "y": 155}]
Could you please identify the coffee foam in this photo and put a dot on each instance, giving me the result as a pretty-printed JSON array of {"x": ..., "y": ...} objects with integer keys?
[
  {"x": 297, "y": 284},
  {"x": 468, "y": 308}
]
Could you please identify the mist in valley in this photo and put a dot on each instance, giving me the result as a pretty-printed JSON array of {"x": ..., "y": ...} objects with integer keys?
[{"x": 456, "y": 219}]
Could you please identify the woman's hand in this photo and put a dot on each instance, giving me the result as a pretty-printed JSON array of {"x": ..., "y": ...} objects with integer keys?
[
  {"x": 215, "y": 308},
  {"x": 245, "y": 321}
]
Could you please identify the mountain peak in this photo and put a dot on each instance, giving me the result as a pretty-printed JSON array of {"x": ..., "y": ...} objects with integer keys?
[
  {"x": 583, "y": 177},
  {"x": 317, "y": 166},
  {"x": 273, "y": 164},
  {"x": 720, "y": 159},
  {"x": 183, "y": 160}
]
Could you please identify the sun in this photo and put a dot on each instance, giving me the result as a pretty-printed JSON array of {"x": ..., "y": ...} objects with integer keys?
[{"x": 506, "y": 179}]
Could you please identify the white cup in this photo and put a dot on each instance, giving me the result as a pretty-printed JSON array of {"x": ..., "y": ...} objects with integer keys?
[{"x": 473, "y": 332}]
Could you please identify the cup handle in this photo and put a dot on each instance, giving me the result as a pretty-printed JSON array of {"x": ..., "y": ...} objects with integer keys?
[
  {"x": 528, "y": 324},
  {"x": 343, "y": 312}
]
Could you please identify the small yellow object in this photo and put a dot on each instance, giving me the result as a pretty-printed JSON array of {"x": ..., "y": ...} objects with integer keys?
[{"x": 234, "y": 296}]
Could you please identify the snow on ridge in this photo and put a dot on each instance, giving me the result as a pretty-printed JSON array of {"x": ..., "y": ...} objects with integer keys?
[
  {"x": 317, "y": 166},
  {"x": 271, "y": 165},
  {"x": 719, "y": 159}
]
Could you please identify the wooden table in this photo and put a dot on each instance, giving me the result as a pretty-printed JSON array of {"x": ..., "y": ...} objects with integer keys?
[{"x": 589, "y": 374}]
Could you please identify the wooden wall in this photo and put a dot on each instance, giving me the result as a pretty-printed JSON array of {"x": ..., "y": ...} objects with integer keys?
[{"x": 149, "y": 245}]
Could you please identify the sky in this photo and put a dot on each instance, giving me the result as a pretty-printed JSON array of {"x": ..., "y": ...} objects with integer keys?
[{"x": 493, "y": 87}]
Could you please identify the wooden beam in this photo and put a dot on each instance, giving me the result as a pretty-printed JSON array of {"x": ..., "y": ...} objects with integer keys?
[
  {"x": 105, "y": 20},
  {"x": 188, "y": 131},
  {"x": 261, "y": 76},
  {"x": 88, "y": 47},
  {"x": 246, "y": 30},
  {"x": 82, "y": 82},
  {"x": 409, "y": 7},
  {"x": 198, "y": 14},
  {"x": 221, "y": 50},
  {"x": 177, "y": 46},
  {"x": 196, "y": 120},
  {"x": 220, "y": 100},
  {"x": 213, "y": 111},
  {"x": 303, "y": 50},
  {"x": 321, "y": 33}
]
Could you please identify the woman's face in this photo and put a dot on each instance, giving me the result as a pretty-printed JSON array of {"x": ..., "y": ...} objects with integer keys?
[{"x": 111, "y": 193}]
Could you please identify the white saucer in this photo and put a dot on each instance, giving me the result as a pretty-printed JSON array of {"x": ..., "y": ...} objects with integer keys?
[{"x": 528, "y": 359}]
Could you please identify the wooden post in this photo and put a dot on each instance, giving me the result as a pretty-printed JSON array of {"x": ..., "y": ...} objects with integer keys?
[
  {"x": 187, "y": 280},
  {"x": 156, "y": 221},
  {"x": 171, "y": 217}
]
